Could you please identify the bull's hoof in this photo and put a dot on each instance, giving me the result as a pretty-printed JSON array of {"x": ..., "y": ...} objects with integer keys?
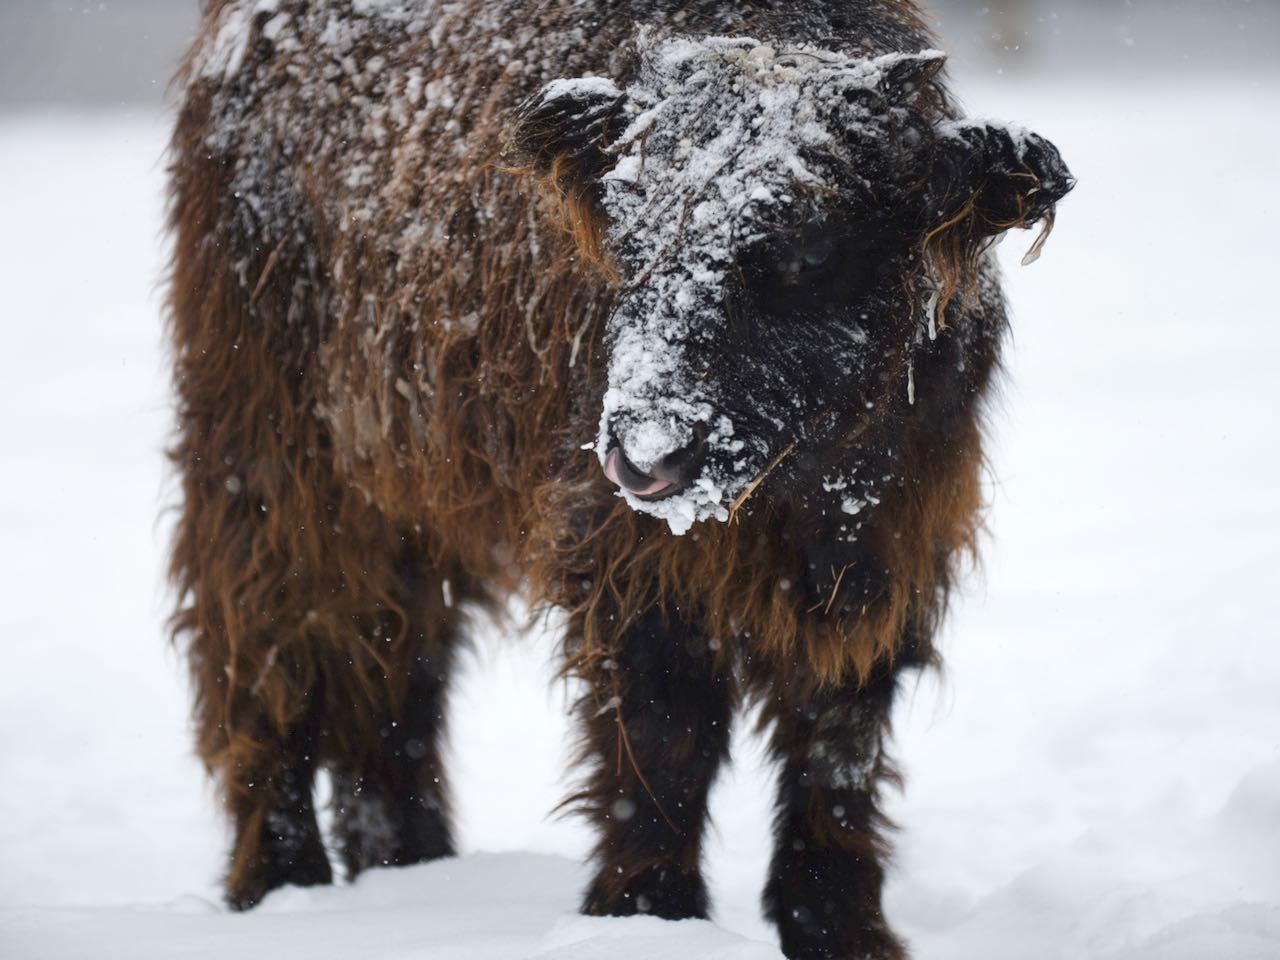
[
  {"x": 808, "y": 941},
  {"x": 664, "y": 892},
  {"x": 277, "y": 865}
]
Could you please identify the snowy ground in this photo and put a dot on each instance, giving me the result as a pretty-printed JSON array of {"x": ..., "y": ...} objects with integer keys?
[{"x": 1097, "y": 775}]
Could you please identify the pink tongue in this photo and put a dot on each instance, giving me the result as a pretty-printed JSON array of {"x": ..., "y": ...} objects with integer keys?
[{"x": 611, "y": 471}]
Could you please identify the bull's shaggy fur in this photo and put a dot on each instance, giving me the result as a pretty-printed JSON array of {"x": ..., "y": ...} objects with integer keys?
[{"x": 401, "y": 276}]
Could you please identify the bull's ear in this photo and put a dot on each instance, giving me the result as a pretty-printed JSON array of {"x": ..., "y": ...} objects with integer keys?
[
  {"x": 904, "y": 75},
  {"x": 988, "y": 178},
  {"x": 561, "y": 137},
  {"x": 562, "y": 130}
]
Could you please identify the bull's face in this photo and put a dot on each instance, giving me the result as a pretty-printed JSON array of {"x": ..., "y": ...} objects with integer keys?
[{"x": 765, "y": 212}]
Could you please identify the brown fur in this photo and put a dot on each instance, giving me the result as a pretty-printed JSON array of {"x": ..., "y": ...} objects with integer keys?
[{"x": 366, "y": 434}]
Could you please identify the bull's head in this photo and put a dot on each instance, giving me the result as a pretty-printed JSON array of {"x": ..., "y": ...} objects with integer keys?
[{"x": 767, "y": 213}]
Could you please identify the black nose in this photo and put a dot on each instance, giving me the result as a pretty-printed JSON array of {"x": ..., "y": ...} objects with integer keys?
[
  {"x": 683, "y": 465},
  {"x": 666, "y": 477}
]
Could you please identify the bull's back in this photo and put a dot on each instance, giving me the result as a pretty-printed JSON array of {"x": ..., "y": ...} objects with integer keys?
[{"x": 347, "y": 161}]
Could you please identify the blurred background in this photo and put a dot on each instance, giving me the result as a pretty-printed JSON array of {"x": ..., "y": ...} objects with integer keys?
[
  {"x": 117, "y": 52},
  {"x": 1096, "y": 776}
]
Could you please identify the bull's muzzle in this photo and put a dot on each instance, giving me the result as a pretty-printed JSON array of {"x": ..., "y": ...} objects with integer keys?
[{"x": 665, "y": 477}]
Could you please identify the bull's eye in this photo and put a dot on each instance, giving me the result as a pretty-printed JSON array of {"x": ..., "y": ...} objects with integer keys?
[
  {"x": 798, "y": 271},
  {"x": 818, "y": 269},
  {"x": 804, "y": 259}
]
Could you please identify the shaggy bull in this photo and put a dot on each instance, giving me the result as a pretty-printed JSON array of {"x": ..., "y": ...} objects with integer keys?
[{"x": 675, "y": 314}]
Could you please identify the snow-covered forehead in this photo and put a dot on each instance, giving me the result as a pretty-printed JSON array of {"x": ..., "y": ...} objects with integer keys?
[
  {"x": 726, "y": 127},
  {"x": 725, "y": 136}
]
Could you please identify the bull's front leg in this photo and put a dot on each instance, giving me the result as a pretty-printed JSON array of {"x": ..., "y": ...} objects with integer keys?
[
  {"x": 825, "y": 881},
  {"x": 657, "y": 728}
]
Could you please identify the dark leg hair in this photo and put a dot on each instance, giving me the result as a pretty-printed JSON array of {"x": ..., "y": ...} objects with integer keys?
[
  {"x": 269, "y": 799},
  {"x": 825, "y": 880},
  {"x": 313, "y": 634},
  {"x": 656, "y": 730},
  {"x": 390, "y": 803}
]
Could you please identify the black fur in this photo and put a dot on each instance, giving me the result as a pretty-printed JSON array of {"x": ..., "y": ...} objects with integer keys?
[{"x": 655, "y": 746}]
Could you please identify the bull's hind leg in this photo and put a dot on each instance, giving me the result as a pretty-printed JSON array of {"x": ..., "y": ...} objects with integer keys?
[
  {"x": 825, "y": 880},
  {"x": 657, "y": 729},
  {"x": 269, "y": 796},
  {"x": 318, "y": 654},
  {"x": 291, "y": 591},
  {"x": 250, "y": 586},
  {"x": 257, "y": 571},
  {"x": 290, "y": 581},
  {"x": 389, "y": 801},
  {"x": 255, "y": 550}
]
